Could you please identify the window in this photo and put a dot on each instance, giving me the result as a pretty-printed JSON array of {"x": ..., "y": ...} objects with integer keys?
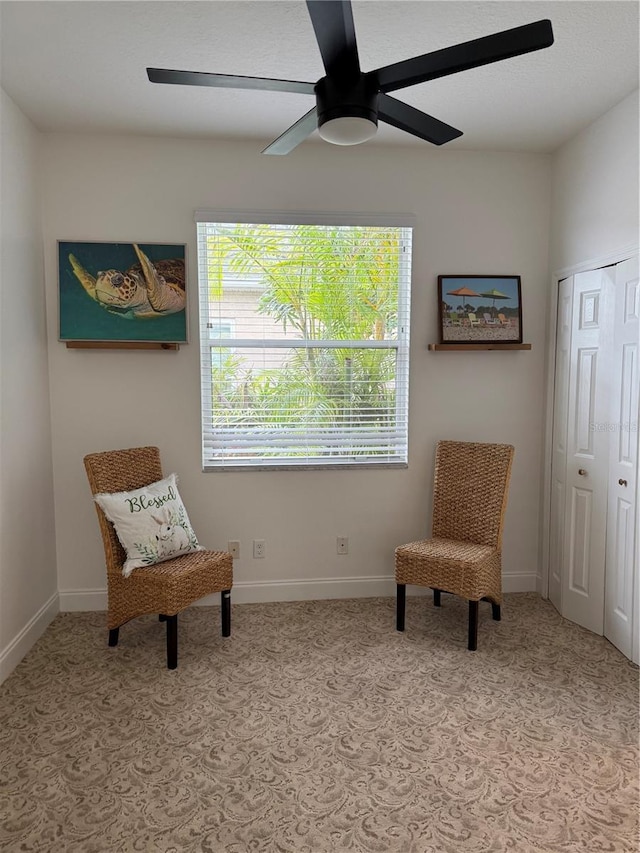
[
  {"x": 313, "y": 368},
  {"x": 217, "y": 328}
]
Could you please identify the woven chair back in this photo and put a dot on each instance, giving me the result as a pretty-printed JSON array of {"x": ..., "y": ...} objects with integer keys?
[
  {"x": 120, "y": 471},
  {"x": 470, "y": 491}
]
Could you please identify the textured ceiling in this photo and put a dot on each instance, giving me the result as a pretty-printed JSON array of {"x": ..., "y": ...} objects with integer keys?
[{"x": 80, "y": 66}]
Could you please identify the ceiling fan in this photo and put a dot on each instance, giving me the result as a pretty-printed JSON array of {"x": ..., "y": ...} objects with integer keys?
[{"x": 349, "y": 102}]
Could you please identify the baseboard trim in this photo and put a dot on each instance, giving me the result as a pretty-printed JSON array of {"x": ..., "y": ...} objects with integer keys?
[
  {"x": 75, "y": 600},
  {"x": 520, "y": 583},
  {"x": 510, "y": 583},
  {"x": 250, "y": 592},
  {"x": 12, "y": 654}
]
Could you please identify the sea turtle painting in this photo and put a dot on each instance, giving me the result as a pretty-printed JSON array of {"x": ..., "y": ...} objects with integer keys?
[{"x": 146, "y": 290}]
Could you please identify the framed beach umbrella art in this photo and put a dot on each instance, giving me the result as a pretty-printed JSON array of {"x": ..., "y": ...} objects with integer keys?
[
  {"x": 493, "y": 295},
  {"x": 462, "y": 292},
  {"x": 497, "y": 314}
]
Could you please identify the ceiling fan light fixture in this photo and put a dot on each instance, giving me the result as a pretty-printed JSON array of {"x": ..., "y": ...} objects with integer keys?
[
  {"x": 349, "y": 103},
  {"x": 348, "y": 130}
]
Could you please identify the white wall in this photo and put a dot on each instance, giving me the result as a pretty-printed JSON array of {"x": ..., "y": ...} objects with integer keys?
[
  {"x": 28, "y": 599},
  {"x": 594, "y": 209},
  {"x": 476, "y": 213},
  {"x": 594, "y": 221}
]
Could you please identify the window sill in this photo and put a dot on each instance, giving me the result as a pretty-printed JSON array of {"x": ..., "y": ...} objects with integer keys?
[{"x": 347, "y": 466}]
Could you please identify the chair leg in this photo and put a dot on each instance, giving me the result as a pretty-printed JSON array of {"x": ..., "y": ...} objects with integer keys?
[
  {"x": 162, "y": 617},
  {"x": 473, "y": 626},
  {"x": 172, "y": 641},
  {"x": 225, "y": 611},
  {"x": 436, "y": 597},
  {"x": 400, "y": 606},
  {"x": 113, "y": 636},
  {"x": 495, "y": 608}
]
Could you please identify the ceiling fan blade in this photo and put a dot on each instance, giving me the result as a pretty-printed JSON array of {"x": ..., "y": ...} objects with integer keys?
[
  {"x": 413, "y": 121},
  {"x": 470, "y": 54},
  {"x": 227, "y": 81},
  {"x": 336, "y": 36},
  {"x": 294, "y": 135}
]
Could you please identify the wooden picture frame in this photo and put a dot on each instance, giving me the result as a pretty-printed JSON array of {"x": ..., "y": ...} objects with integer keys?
[
  {"x": 122, "y": 294},
  {"x": 480, "y": 309}
]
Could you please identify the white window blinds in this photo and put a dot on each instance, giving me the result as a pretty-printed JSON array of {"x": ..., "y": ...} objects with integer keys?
[{"x": 304, "y": 340}]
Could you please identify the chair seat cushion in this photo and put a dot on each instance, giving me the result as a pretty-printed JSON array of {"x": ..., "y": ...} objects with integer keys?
[
  {"x": 213, "y": 570},
  {"x": 463, "y": 568},
  {"x": 463, "y": 553},
  {"x": 170, "y": 586},
  {"x": 151, "y": 523}
]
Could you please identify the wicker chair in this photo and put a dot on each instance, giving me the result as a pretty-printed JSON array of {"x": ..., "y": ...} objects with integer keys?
[
  {"x": 463, "y": 556},
  {"x": 165, "y": 588}
]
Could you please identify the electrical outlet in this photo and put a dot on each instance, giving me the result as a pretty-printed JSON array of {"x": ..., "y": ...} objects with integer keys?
[
  {"x": 234, "y": 549},
  {"x": 342, "y": 545},
  {"x": 258, "y": 549}
]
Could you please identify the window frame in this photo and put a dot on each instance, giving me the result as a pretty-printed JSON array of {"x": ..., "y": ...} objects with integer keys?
[{"x": 401, "y": 344}]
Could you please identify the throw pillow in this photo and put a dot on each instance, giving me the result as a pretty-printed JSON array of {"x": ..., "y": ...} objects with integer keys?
[{"x": 152, "y": 523}]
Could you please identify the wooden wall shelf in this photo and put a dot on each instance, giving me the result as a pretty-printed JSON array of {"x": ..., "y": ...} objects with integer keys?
[
  {"x": 120, "y": 345},
  {"x": 462, "y": 347}
]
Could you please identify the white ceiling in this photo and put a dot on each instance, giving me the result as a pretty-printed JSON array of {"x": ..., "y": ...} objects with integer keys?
[{"x": 80, "y": 66}]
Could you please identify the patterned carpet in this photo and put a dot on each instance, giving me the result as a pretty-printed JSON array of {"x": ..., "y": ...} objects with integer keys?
[{"x": 317, "y": 727}]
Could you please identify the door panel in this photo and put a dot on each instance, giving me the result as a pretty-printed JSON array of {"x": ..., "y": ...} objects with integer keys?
[
  {"x": 583, "y": 575},
  {"x": 621, "y": 582},
  {"x": 587, "y": 375},
  {"x": 580, "y": 551},
  {"x": 559, "y": 454}
]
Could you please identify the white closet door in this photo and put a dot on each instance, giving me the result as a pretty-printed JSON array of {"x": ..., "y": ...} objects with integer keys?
[
  {"x": 559, "y": 454},
  {"x": 583, "y": 575},
  {"x": 622, "y": 568}
]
